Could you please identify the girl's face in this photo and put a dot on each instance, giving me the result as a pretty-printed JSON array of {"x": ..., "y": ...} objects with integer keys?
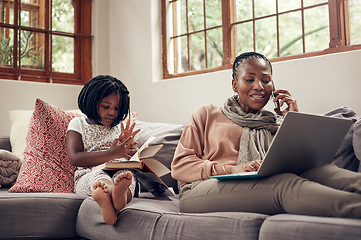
[
  {"x": 108, "y": 109},
  {"x": 253, "y": 84}
]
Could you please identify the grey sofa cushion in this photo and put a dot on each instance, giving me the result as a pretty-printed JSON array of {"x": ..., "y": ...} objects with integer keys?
[
  {"x": 345, "y": 156},
  {"x": 167, "y": 134},
  {"x": 38, "y": 215},
  {"x": 5, "y": 143},
  {"x": 288, "y": 227},
  {"x": 147, "y": 218},
  {"x": 356, "y": 140}
]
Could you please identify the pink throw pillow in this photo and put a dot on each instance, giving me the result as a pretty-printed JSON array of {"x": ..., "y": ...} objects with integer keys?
[{"x": 46, "y": 166}]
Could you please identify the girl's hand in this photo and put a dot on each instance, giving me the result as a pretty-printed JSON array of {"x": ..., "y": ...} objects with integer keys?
[
  {"x": 127, "y": 131},
  {"x": 285, "y": 97},
  {"x": 124, "y": 149}
]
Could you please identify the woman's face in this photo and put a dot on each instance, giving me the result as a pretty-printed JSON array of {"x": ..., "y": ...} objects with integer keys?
[
  {"x": 253, "y": 84},
  {"x": 108, "y": 109}
]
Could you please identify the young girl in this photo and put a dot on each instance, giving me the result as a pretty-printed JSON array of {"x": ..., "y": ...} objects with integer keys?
[{"x": 98, "y": 138}]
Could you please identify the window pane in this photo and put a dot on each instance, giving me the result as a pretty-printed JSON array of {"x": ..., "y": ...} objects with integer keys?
[
  {"x": 178, "y": 17},
  {"x": 178, "y": 59},
  {"x": 317, "y": 34},
  {"x": 7, "y": 12},
  {"x": 197, "y": 51},
  {"x": 6, "y": 48},
  {"x": 183, "y": 15},
  {"x": 213, "y": 13},
  {"x": 62, "y": 16},
  {"x": 183, "y": 54},
  {"x": 244, "y": 37},
  {"x": 290, "y": 25},
  {"x": 63, "y": 54},
  {"x": 307, "y": 3},
  {"x": 214, "y": 47},
  {"x": 266, "y": 36},
  {"x": 243, "y": 10},
  {"x": 32, "y": 14},
  {"x": 31, "y": 49},
  {"x": 264, "y": 7},
  {"x": 286, "y": 5},
  {"x": 355, "y": 21},
  {"x": 195, "y": 15}
]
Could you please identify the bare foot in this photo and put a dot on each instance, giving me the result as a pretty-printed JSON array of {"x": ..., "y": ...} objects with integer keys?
[
  {"x": 120, "y": 190},
  {"x": 101, "y": 195}
]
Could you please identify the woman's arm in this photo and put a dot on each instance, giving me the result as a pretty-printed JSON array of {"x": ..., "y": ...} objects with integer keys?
[{"x": 79, "y": 158}]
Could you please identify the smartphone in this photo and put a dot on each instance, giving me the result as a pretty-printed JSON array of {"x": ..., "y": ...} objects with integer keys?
[{"x": 277, "y": 103}]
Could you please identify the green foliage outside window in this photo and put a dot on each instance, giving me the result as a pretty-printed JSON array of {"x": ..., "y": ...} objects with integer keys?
[{"x": 294, "y": 36}]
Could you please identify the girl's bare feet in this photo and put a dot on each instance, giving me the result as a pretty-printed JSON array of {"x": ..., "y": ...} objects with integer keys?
[
  {"x": 101, "y": 195},
  {"x": 120, "y": 193}
]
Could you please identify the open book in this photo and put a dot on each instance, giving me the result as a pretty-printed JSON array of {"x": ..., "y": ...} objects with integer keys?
[{"x": 146, "y": 169}]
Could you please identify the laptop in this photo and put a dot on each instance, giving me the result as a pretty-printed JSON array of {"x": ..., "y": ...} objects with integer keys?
[{"x": 302, "y": 142}]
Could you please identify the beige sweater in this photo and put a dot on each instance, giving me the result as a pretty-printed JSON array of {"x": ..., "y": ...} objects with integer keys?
[{"x": 209, "y": 138}]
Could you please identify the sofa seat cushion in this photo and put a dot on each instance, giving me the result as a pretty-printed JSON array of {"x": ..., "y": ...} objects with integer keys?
[
  {"x": 149, "y": 218},
  {"x": 288, "y": 226},
  {"x": 38, "y": 215}
]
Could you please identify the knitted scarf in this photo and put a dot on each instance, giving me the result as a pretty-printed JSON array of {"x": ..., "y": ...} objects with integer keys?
[{"x": 258, "y": 130}]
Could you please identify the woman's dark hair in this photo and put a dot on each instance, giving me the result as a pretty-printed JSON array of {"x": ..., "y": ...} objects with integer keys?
[
  {"x": 245, "y": 56},
  {"x": 98, "y": 88}
]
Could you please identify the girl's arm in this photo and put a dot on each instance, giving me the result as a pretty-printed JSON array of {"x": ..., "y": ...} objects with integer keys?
[{"x": 79, "y": 158}]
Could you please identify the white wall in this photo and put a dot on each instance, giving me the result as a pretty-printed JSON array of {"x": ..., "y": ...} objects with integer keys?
[
  {"x": 132, "y": 52},
  {"x": 319, "y": 84},
  {"x": 21, "y": 95}
]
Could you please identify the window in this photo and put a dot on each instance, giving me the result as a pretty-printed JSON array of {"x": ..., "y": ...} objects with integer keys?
[
  {"x": 202, "y": 35},
  {"x": 46, "y": 40}
]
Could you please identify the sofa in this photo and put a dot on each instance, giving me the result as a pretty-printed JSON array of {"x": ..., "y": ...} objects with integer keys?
[{"x": 34, "y": 212}]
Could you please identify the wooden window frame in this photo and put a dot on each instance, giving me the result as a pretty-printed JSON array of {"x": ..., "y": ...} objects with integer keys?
[
  {"x": 338, "y": 27},
  {"x": 82, "y": 48}
]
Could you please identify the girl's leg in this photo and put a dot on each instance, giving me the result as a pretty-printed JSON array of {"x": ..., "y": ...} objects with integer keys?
[
  {"x": 283, "y": 193},
  {"x": 102, "y": 189},
  {"x": 101, "y": 195},
  {"x": 121, "y": 195},
  {"x": 338, "y": 178}
]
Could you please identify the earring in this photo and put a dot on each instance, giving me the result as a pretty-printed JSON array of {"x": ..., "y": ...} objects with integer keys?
[{"x": 235, "y": 96}]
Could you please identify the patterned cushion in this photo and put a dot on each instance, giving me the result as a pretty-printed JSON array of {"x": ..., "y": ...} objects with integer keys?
[{"x": 46, "y": 166}]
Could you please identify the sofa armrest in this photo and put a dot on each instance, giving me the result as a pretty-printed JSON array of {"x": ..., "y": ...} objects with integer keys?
[{"x": 5, "y": 143}]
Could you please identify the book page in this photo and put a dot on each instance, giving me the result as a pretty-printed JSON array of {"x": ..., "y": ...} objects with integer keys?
[
  {"x": 157, "y": 167},
  {"x": 150, "y": 151},
  {"x": 136, "y": 156}
]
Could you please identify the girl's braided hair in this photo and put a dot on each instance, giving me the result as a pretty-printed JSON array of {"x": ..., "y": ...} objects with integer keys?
[{"x": 98, "y": 88}]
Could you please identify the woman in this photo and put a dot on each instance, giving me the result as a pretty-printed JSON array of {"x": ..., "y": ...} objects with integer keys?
[{"x": 235, "y": 139}]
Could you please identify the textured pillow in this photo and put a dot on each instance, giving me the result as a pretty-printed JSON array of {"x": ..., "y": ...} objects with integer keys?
[
  {"x": 19, "y": 125},
  {"x": 46, "y": 166},
  {"x": 9, "y": 167},
  {"x": 167, "y": 134}
]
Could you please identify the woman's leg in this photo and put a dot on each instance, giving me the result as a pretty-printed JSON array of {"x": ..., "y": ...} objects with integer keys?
[
  {"x": 335, "y": 177},
  {"x": 283, "y": 193}
]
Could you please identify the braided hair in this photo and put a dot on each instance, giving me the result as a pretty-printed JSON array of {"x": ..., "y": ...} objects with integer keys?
[
  {"x": 244, "y": 56},
  {"x": 98, "y": 88}
]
